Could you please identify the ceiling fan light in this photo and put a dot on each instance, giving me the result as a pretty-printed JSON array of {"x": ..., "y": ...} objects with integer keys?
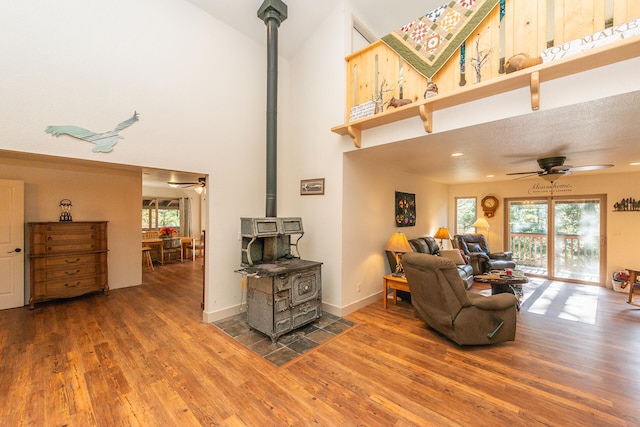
[{"x": 551, "y": 177}]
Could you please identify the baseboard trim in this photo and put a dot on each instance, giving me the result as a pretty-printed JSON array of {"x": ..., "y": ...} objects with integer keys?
[{"x": 213, "y": 316}]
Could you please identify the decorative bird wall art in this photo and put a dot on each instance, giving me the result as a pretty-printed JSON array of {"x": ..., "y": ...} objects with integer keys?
[{"x": 104, "y": 142}]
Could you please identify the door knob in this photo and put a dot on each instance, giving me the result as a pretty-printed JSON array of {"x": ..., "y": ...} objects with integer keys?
[{"x": 15, "y": 250}]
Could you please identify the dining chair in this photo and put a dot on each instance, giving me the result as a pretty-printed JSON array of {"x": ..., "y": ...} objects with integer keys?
[
  {"x": 150, "y": 234},
  {"x": 172, "y": 245},
  {"x": 195, "y": 246}
]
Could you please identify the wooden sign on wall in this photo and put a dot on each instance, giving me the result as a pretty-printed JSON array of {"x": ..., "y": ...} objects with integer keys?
[{"x": 600, "y": 38}]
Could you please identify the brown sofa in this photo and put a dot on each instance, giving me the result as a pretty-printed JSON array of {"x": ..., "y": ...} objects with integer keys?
[
  {"x": 428, "y": 245},
  {"x": 441, "y": 300}
]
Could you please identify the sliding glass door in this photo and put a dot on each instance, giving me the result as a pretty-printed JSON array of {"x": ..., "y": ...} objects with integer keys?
[
  {"x": 578, "y": 239},
  {"x": 559, "y": 237}
]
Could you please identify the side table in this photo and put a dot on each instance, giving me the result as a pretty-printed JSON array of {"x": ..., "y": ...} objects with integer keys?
[
  {"x": 395, "y": 283},
  {"x": 632, "y": 282}
]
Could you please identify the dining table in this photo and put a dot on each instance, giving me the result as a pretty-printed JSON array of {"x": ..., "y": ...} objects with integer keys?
[{"x": 155, "y": 243}]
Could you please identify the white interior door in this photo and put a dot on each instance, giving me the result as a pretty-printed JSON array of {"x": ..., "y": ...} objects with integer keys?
[{"x": 11, "y": 244}]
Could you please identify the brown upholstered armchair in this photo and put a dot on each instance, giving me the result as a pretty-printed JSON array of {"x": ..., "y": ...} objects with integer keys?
[
  {"x": 439, "y": 296},
  {"x": 480, "y": 257}
]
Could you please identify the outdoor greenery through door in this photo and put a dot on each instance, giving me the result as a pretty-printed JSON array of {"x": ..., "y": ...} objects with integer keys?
[{"x": 559, "y": 237}]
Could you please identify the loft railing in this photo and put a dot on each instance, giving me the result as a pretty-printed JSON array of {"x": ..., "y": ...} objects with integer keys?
[{"x": 377, "y": 69}]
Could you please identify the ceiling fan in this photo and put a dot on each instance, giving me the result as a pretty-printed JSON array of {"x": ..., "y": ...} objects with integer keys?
[
  {"x": 199, "y": 185},
  {"x": 553, "y": 168}
]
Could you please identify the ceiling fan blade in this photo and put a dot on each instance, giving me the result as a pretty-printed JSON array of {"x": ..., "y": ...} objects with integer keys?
[
  {"x": 523, "y": 173},
  {"x": 590, "y": 167},
  {"x": 183, "y": 184}
]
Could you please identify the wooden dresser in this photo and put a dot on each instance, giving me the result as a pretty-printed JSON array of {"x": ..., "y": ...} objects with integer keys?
[{"x": 67, "y": 259}]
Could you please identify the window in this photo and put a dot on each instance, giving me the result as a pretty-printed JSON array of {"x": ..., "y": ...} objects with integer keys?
[
  {"x": 465, "y": 214},
  {"x": 158, "y": 213}
]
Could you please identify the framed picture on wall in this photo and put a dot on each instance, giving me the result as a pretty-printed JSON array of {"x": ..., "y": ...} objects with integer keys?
[
  {"x": 405, "y": 209},
  {"x": 312, "y": 186}
]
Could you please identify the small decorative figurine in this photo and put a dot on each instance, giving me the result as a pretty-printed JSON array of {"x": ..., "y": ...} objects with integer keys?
[
  {"x": 65, "y": 207},
  {"x": 432, "y": 89},
  {"x": 520, "y": 61},
  {"x": 395, "y": 103}
]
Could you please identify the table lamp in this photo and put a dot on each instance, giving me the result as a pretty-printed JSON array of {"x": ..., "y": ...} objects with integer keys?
[
  {"x": 398, "y": 244},
  {"x": 442, "y": 233}
]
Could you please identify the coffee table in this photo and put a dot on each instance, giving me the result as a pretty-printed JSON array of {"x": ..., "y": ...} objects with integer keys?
[{"x": 503, "y": 283}]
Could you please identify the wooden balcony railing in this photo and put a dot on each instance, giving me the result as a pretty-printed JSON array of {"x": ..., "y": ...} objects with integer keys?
[{"x": 572, "y": 252}]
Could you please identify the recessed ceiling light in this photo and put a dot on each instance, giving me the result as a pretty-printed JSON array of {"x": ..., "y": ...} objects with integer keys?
[
  {"x": 457, "y": 154},
  {"x": 490, "y": 176},
  {"x": 634, "y": 164}
]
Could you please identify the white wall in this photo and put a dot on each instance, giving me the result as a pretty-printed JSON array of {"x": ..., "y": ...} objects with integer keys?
[
  {"x": 369, "y": 209},
  {"x": 317, "y": 103}
]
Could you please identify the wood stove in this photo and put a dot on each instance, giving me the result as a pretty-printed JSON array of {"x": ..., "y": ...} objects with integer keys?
[{"x": 284, "y": 292}]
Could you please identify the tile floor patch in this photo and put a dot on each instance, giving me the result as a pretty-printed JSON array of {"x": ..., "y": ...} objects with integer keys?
[{"x": 289, "y": 346}]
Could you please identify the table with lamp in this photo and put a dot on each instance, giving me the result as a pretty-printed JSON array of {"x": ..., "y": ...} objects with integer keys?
[
  {"x": 398, "y": 245},
  {"x": 442, "y": 233}
]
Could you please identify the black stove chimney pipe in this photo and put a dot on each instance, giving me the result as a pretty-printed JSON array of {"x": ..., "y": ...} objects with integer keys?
[{"x": 272, "y": 12}]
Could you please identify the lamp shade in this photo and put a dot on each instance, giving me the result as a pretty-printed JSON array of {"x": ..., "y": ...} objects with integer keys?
[
  {"x": 398, "y": 243},
  {"x": 442, "y": 233},
  {"x": 481, "y": 223}
]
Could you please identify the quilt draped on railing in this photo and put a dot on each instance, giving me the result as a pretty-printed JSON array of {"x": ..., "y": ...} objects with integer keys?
[{"x": 428, "y": 42}]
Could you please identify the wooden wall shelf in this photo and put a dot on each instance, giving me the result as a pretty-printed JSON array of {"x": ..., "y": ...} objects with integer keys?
[{"x": 598, "y": 57}]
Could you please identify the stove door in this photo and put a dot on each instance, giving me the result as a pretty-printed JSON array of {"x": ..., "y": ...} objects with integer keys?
[{"x": 305, "y": 285}]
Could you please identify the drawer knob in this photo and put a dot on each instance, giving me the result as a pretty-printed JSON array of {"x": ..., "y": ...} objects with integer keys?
[{"x": 71, "y": 286}]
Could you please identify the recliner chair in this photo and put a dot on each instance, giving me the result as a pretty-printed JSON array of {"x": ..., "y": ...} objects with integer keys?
[
  {"x": 440, "y": 299},
  {"x": 480, "y": 257}
]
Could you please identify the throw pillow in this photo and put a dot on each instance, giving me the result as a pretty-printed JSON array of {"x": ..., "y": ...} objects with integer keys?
[
  {"x": 453, "y": 255},
  {"x": 474, "y": 247}
]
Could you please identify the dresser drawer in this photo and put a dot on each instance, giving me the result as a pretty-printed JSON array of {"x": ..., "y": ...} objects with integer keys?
[
  {"x": 72, "y": 287},
  {"x": 67, "y": 237},
  {"x": 65, "y": 261},
  {"x": 64, "y": 273}
]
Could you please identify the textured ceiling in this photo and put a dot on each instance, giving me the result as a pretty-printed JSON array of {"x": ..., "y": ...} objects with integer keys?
[{"x": 602, "y": 131}]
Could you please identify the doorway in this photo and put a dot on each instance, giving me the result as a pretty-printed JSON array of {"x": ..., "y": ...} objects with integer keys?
[{"x": 560, "y": 238}]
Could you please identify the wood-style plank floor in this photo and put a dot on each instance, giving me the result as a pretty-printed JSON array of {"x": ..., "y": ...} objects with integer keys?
[{"x": 142, "y": 357}]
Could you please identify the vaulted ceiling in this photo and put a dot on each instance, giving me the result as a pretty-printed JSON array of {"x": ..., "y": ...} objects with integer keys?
[{"x": 601, "y": 131}]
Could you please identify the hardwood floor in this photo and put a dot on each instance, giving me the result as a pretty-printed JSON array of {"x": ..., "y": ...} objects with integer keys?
[{"x": 142, "y": 356}]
